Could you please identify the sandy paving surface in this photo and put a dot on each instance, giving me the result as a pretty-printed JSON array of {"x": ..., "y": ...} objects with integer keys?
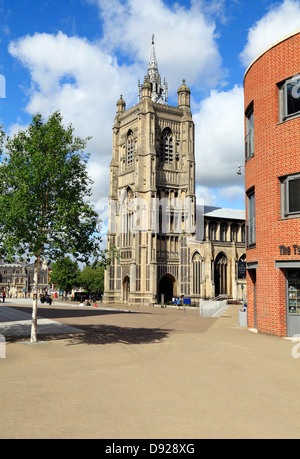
[{"x": 156, "y": 373}]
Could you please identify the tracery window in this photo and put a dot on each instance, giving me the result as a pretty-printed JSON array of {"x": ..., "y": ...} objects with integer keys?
[
  {"x": 126, "y": 219},
  {"x": 130, "y": 148},
  {"x": 197, "y": 267},
  {"x": 166, "y": 146},
  {"x": 242, "y": 267}
]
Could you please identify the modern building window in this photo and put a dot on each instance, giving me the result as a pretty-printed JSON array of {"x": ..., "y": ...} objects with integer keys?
[
  {"x": 130, "y": 148},
  {"x": 290, "y": 196},
  {"x": 251, "y": 232},
  {"x": 289, "y": 97},
  {"x": 166, "y": 146},
  {"x": 249, "y": 141}
]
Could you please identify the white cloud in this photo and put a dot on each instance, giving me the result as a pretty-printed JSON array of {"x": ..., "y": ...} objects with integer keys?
[
  {"x": 185, "y": 40},
  {"x": 78, "y": 78},
  {"x": 205, "y": 195},
  {"x": 99, "y": 173},
  {"x": 232, "y": 193},
  {"x": 281, "y": 20},
  {"x": 84, "y": 80},
  {"x": 219, "y": 134}
]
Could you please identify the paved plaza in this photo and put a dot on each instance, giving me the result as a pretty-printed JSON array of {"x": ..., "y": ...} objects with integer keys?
[{"x": 145, "y": 372}]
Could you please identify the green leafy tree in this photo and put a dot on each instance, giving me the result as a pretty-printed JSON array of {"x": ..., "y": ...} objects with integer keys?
[
  {"x": 65, "y": 274},
  {"x": 44, "y": 211},
  {"x": 92, "y": 279}
]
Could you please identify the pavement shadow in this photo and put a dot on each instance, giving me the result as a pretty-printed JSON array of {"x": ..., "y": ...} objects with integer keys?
[
  {"x": 112, "y": 334},
  {"x": 64, "y": 312}
]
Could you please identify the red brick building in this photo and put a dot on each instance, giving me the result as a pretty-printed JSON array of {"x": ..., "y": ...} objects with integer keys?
[{"x": 272, "y": 183}]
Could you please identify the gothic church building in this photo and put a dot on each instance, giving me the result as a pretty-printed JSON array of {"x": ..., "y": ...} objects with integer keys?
[{"x": 168, "y": 246}]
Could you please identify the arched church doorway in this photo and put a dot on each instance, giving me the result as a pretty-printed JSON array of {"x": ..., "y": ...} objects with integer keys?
[
  {"x": 220, "y": 277},
  {"x": 126, "y": 289},
  {"x": 167, "y": 286}
]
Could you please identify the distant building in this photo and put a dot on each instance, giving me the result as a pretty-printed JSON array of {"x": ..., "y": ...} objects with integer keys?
[
  {"x": 272, "y": 175},
  {"x": 168, "y": 246},
  {"x": 17, "y": 278}
]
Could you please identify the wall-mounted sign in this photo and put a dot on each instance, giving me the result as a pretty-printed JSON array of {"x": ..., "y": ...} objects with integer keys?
[{"x": 289, "y": 250}]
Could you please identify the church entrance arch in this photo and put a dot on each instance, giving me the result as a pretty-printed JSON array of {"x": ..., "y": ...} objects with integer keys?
[
  {"x": 220, "y": 274},
  {"x": 126, "y": 289},
  {"x": 167, "y": 286}
]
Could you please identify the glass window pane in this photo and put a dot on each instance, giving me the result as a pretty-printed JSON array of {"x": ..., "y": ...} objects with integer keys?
[
  {"x": 251, "y": 121},
  {"x": 293, "y": 96},
  {"x": 294, "y": 195},
  {"x": 251, "y": 208},
  {"x": 294, "y": 291}
]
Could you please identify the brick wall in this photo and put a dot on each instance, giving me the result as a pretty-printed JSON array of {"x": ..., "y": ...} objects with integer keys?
[{"x": 276, "y": 153}]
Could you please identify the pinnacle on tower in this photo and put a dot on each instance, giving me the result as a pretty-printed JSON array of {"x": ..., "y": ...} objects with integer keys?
[{"x": 159, "y": 92}]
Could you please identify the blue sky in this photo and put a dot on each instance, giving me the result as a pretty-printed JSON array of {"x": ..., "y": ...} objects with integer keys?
[{"x": 78, "y": 56}]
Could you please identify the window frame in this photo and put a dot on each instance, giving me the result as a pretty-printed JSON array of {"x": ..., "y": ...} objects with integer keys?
[
  {"x": 249, "y": 139},
  {"x": 212, "y": 231},
  {"x": 283, "y": 100},
  {"x": 166, "y": 146},
  {"x": 251, "y": 219},
  {"x": 130, "y": 149},
  {"x": 234, "y": 232},
  {"x": 285, "y": 204},
  {"x": 197, "y": 264}
]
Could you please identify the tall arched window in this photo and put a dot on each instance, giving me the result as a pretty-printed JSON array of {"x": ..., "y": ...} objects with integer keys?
[
  {"x": 242, "y": 267},
  {"x": 166, "y": 146},
  {"x": 234, "y": 232},
  {"x": 243, "y": 233},
  {"x": 126, "y": 218},
  {"x": 130, "y": 148},
  {"x": 213, "y": 231},
  {"x": 220, "y": 275},
  {"x": 197, "y": 266},
  {"x": 223, "y": 232}
]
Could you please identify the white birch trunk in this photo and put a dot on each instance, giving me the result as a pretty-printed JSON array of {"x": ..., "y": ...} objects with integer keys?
[{"x": 33, "y": 338}]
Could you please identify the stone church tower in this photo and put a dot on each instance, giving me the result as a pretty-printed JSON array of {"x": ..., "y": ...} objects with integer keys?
[{"x": 152, "y": 195}]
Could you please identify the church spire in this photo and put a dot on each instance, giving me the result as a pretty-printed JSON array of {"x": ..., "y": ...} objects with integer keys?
[
  {"x": 159, "y": 92},
  {"x": 153, "y": 62}
]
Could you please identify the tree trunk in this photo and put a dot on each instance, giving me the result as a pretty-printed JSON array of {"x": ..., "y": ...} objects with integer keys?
[{"x": 37, "y": 265}]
